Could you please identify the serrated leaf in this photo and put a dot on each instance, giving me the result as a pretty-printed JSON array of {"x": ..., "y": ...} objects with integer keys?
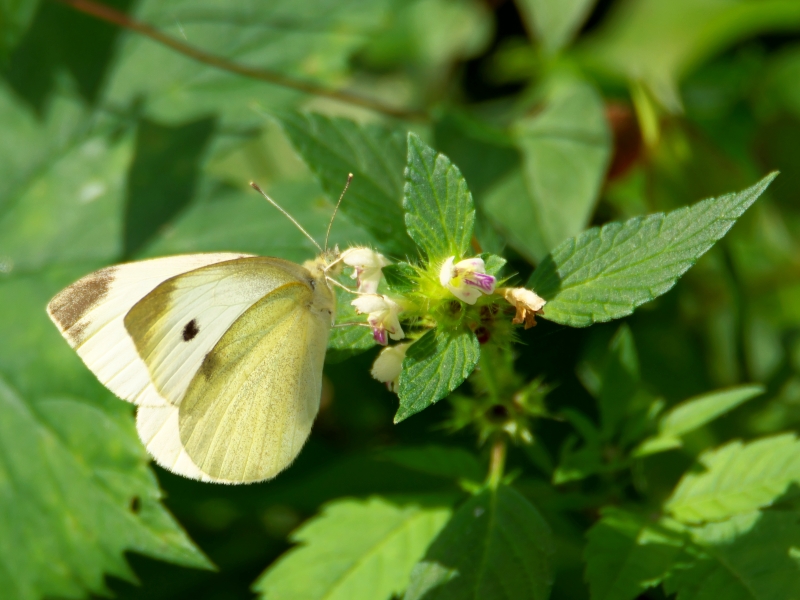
[
  {"x": 553, "y": 24},
  {"x": 439, "y": 212},
  {"x": 434, "y": 366},
  {"x": 353, "y": 550},
  {"x": 692, "y": 414},
  {"x": 334, "y": 147},
  {"x": 445, "y": 461},
  {"x": 605, "y": 273},
  {"x": 626, "y": 554},
  {"x": 565, "y": 148},
  {"x": 749, "y": 557},
  {"x": 496, "y": 547},
  {"x": 69, "y": 474},
  {"x": 737, "y": 478},
  {"x": 400, "y": 277}
]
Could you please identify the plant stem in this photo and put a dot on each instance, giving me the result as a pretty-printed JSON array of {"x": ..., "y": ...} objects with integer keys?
[
  {"x": 111, "y": 15},
  {"x": 497, "y": 462}
]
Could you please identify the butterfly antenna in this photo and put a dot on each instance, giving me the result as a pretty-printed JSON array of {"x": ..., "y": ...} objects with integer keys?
[
  {"x": 255, "y": 186},
  {"x": 333, "y": 216}
]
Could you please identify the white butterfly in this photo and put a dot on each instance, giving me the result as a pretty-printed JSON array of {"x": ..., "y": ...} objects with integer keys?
[{"x": 222, "y": 354}]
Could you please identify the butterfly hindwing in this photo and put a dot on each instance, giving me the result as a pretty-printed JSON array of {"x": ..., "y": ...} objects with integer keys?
[
  {"x": 90, "y": 313},
  {"x": 250, "y": 408}
]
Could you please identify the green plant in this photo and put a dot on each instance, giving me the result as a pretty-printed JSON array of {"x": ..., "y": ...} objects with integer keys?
[{"x": 582, "y": 458}]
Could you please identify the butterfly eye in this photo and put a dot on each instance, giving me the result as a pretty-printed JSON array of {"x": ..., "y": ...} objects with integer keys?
[{"x": 190, "y": 330}]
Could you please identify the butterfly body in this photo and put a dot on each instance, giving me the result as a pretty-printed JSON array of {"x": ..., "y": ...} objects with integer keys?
[{"x": 222, "y": 353}]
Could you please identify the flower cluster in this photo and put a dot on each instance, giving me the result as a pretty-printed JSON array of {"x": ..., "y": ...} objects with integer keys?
[{"x": 466, "y": 280}]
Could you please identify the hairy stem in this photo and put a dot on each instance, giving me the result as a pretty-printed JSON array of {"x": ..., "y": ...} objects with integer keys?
[{"x": 111, "y": 15}]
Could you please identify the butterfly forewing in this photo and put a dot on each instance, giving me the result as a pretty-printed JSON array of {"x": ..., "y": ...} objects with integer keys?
[
  {"x": 90, "y": 314},
  {"x": 177, "y": 324}
]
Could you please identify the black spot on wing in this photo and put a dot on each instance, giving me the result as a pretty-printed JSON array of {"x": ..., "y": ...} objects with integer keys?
[{"x": 190, "y": 330}]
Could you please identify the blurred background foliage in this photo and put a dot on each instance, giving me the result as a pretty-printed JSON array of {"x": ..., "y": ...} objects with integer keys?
[{"x": 561, "y": 114}]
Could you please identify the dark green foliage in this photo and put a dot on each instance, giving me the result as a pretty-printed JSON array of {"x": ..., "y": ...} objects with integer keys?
[
  {"x": 565, "y": 143},
  {"x": 496, "y": 546},
  {"x": 162, "y": 177}
]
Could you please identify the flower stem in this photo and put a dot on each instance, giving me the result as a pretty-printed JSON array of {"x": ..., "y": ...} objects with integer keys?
[{"x": 497, "y": 462}]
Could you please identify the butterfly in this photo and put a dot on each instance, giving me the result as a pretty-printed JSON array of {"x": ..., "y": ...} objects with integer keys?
[{"x": 221, "y": 353}]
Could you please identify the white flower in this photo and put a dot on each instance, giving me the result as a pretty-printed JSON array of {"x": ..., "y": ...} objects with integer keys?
[
  {"x": 367, "y": 265},
  {"x": 388, "y": 365},
  {"x": 467, "y": 279},
  {"x": 381, "y": 314},
  {"x": 527, "y": 303}
]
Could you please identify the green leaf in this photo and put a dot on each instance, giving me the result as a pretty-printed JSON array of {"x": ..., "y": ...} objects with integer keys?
[
  {"x": 345, "y": 342},
  {"x": 375, "y": 155},
  {"x": 553, "y": 24},
  {"x": 493, "y": 263},
  {"x": 749, "y": 557},
  {"x": 440, "y": 215},
  {"x": 620, "y": 383},
  {"x": 565, "y": 149},
  {"x": 693, "y": 414},
  {"x": 75, "y": 494},
  {"x": 627, "y": 554},
  {"x": 353, "y": 550},
  {"x": 660, "y": 42},
  {"x": 434, "y": 366},
  {"x": 400, "y": 277},
  {"x": 737, "y": 478},
  {"x": 59, "y": 40},
  {"x": 496, "y": 547},
  {"x": 15, "y": 17},
  {"x": 445, "y": 461},
  {"x": 605, "y": 273},
  {"x": 576, "y": 464},
  {"x": 163, "y": 177},
  {"x": 75, "y": 488}
]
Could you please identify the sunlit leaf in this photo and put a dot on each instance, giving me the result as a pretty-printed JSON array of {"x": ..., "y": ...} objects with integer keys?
[
  {"x": 693, "y": 414},
  {"x": 439, "y": 211},
  {"x": 737, "y": 478},
  {"x": 606, "y": 272},
  {"x": 749, "y": 557},
  {"x": 75, "y": 494},
  {"x": 354, "y": 550}
]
